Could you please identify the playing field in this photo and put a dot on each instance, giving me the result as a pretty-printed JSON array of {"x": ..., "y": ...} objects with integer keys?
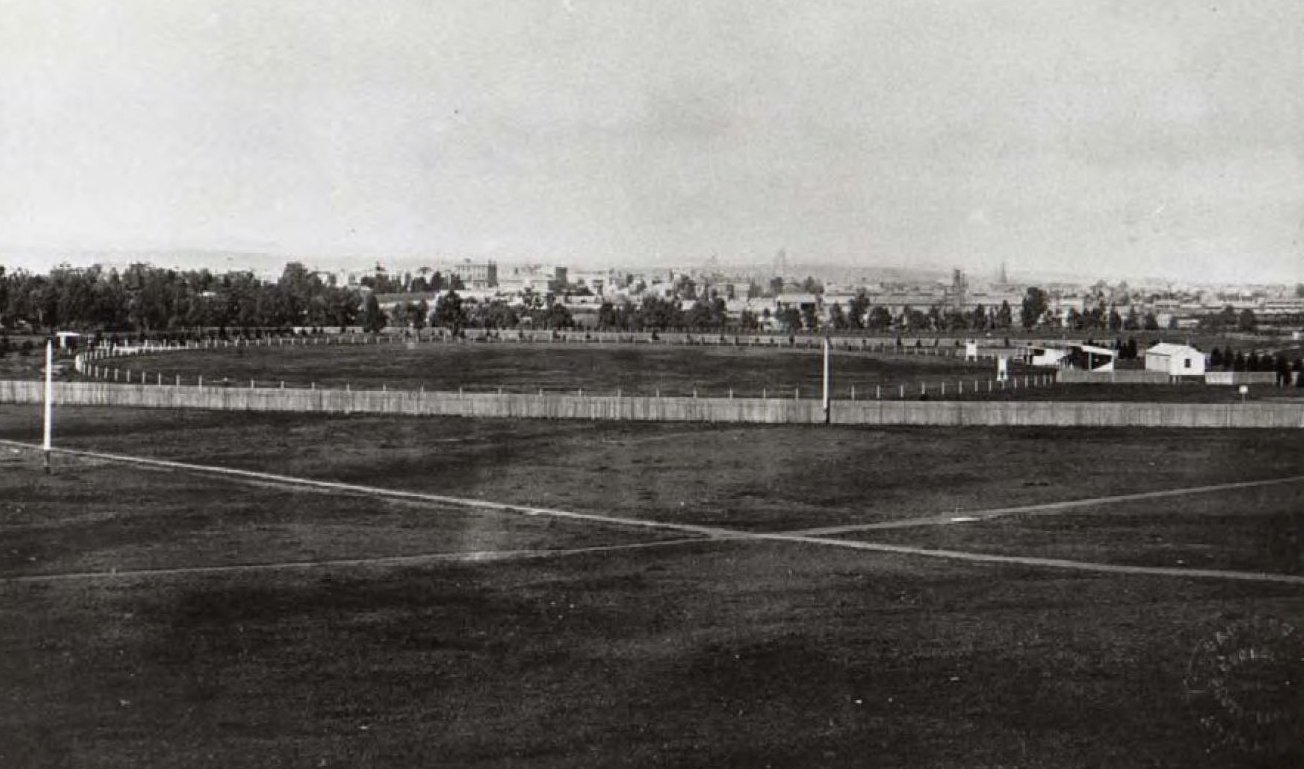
[
  {"x": 708, "y": 371},
  {"x": 468, "y": 600},
  {"x": 642, "y": 370}
]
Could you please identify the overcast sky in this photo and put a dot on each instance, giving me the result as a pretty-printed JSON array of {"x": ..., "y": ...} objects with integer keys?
[{"x": 1162, "y": 137}]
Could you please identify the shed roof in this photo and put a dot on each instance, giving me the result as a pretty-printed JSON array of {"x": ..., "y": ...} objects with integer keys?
[
  {"x": 1095, "y": 350},
  {"x": 1170, "y": 349}
]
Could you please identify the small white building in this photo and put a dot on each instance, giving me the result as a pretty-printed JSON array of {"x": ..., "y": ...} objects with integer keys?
[
  {"x": 1175, "y": 359},
  {"x": 1046, "y": 356},
  {"x": 1079, "y": 356},
  {"x": 1091, "y": 358}
]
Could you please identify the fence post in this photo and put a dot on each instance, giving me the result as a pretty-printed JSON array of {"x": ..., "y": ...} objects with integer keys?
[
  {"x": 853, "y": 392},
  {"x": 878, "y": 392},
  {"x": 903, "y": 392},
  {"x": 200, "y": 384}
]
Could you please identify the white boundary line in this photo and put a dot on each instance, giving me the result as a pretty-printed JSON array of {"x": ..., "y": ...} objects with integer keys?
[
  {"x": 1051, "y": 563},
  {"x": 376, "y": 491},
  {"x": 1042, "y": 508},
  {"x": 709, "y": 533},
  {"x": 389, "y": 560}
]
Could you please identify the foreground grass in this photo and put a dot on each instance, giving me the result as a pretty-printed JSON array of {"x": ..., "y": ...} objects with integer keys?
[
  {"x": 751, "y": 477},
  {"x": 1256, "y": 529},
  {"x": 92, "y": 517},
  {"x": 702, "y": 654},
  {"x": 713, "y": 655}
]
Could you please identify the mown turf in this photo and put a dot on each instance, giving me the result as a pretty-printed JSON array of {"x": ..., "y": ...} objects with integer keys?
[
  {"x": 1256, "y": 529},
  {"x": 751, "y": 477},
  {"x": 89, "y": 516},
  {"x": 735, "y": 653},
  {"x": 708, "y": 370},
  {"x": 714, "y": 655}
]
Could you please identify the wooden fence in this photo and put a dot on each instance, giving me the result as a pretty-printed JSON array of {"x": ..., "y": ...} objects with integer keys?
[
  {"x": 1142, "y": 376},
  {"x": 669, "y": 409}
]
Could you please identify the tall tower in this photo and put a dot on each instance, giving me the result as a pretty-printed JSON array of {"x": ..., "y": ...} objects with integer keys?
[
  {"x": 959, "y": 289},
  {"x": 1005, "y": 280}
]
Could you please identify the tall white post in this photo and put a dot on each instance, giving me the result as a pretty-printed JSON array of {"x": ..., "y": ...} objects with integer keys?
[
  {"x": 827, "y": 346},
  {"x": 49, "y": 400}
]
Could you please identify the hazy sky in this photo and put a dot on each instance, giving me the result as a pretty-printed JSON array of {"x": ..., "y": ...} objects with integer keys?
[{"x": 1156, "y": 137}]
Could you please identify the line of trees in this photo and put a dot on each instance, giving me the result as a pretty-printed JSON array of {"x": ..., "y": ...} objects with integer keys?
[
  {"x": 454, "y": 313},
  {"x": 654, "y": 313},
  {"x": 1238, "y": 360},
  {"x": 152, "y": 299},
  {"x": 1228, "y": 319}
]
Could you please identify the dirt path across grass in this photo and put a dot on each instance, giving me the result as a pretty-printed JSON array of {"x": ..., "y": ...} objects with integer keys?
[{"x": 703, "y": 533}]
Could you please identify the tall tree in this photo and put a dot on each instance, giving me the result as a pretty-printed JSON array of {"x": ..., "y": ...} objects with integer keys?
[
  {"x": 857, "y": 309},
  {"x": 809, "y": 318},
  {"x": 790, "y": 318},
  {"x": 373, "y": 317},
  {"x": 450, "y": 313},
  {"x": 1035, "y": 304},
  {"x": 1246, "y": 320},
  {"x": 837, "y": 317},
  {"x": 1004, "y": 316}
]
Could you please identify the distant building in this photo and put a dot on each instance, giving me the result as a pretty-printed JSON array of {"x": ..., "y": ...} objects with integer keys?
[
  {"x": 804, "y": 302},
  {"x": 597, "y": 281},
  {"x": 540, "y": 279},
  {"x": 957, "y": 296},
  {"x": 476, "y": 275},
  {"x": 1175, "y": 359}
]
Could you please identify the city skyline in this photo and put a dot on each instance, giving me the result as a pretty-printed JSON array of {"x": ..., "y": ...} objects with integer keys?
[{"x": 1160, "y": 141}]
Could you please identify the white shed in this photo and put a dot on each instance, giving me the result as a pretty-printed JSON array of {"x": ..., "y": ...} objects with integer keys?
[
  {"x": 1175, "y": 359},
  {"x": 1092, "y": 358}
]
